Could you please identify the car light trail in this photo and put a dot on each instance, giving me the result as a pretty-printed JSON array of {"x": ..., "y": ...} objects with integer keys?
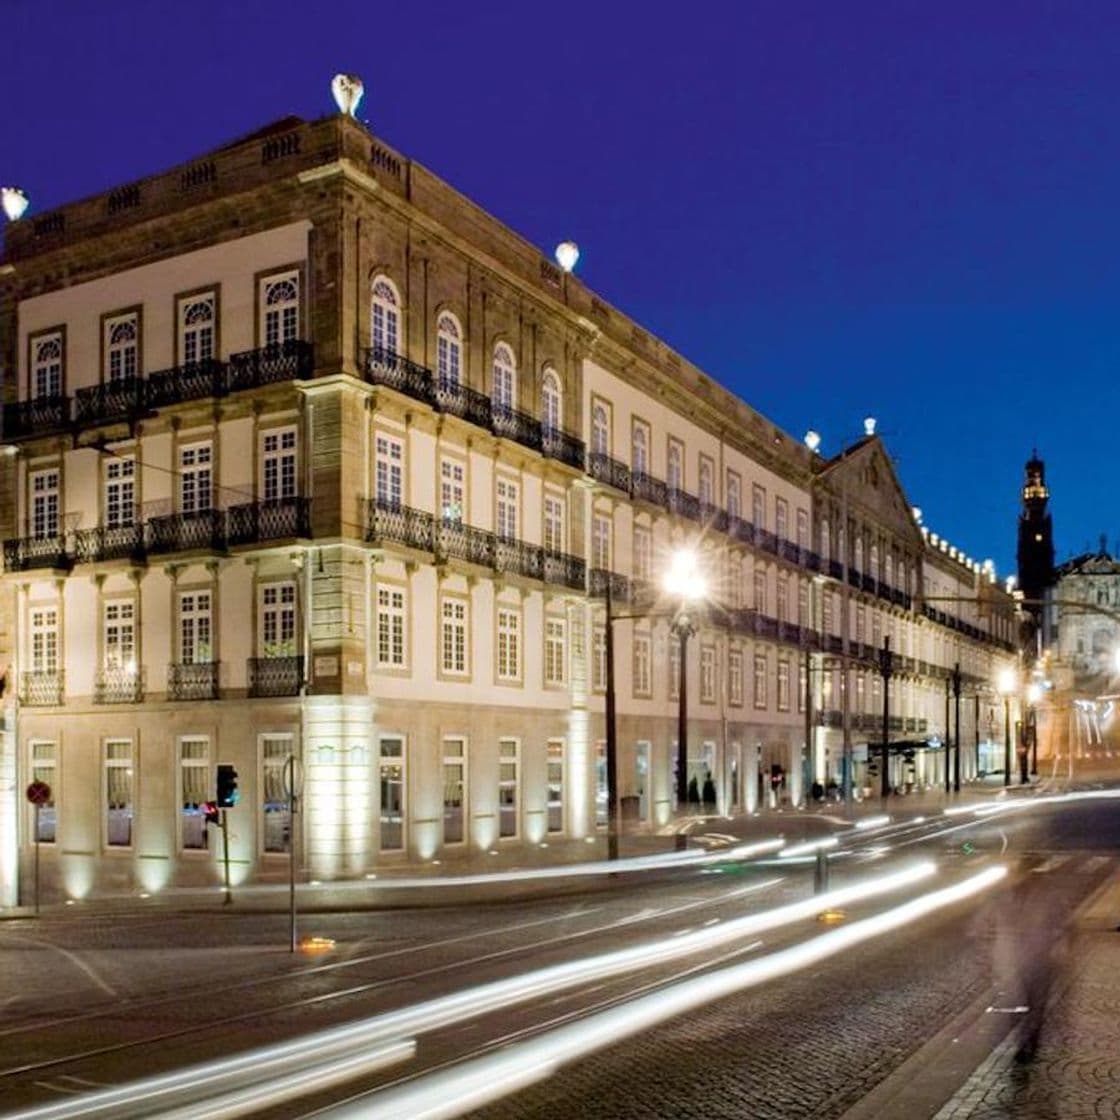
[
  {"x": 872, "y": 822},
  {"x": 460, "y": 1089},
  {"x": 811, "y": 847}
]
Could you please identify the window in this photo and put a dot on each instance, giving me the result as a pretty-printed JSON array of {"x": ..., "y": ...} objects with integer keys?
[
  {"x": 509, "y": 644},
  {"x": 781, "y": 518},
  {"x": 802, "y": 529},
  {"x": 639, "y": 450},
  {"x": 874, "y": 560},
  {"x": 857, "y": 562},
  {"x": 119, "y": 793},
  {"x": 195, "y": 628},
  {"x": 708, "y": 674},
  {"x": 643, "y": 657},
  {"x": 120, "y": 634},
  {"x": 760, "y": 680},
  {"x": 120, "y": 492},
  {"x": 506, "y": 520},
  {"x": 451, "y": 473},
  {"x": 552, "y": 403},
  {"x": 196, "y": 465},
  {"x": 194, "y": 791},
  {"x": 505, "y": 379},
  {"x": 391, "y": 622},
  {"x": 44, "y": 639},
  {"x": 509, "y": 787},
  {"x": 783, "y": 686},
  {"x": 760, "y": 592},
  {"x": 277, "y": 827},
  {"x": 734, "y": 581},
  {"x": 601, "y": 541},
  {"x": 280, "y": 308},
  {"x": 707, "y": 486},
  {"x": 44, "y": 504},
  {"x": 674, "y": 667},
  {"x": 388, "y": 471},
  {"x": 599, "y": 658},
  {"x": 555, "y": 785},
  {"x": 861, "y": 622},
  {"x": 454, "y": 790},
  {"x": 555, "y": 540},
  {"x": 735, "y": 677},
  {"x": 46, "y": 366},
  {"x": 121, "y": 348},
  {"x": 643, "y": 553},
  {"x": 734, "y": 495},
  {"x": 278, "y": 620},
  {"x": 385, "y": 318},
  {"x": 453, "y": 636},
  {"x": 390, "y": 768},
  {"x": 826, "y": 612},
  {"x": 600, "y": 429},
  {"x": 826, "y": 542},
  {"x": 802, "y": 603},
  {"x": 44, "y": 768},
  {"x": 783, "y": 597},
  {"x": 674, "y": 475},
  {"x": 449, "y": 352},
  {"x": 758, "y": 506},
  {"x": 197, "y": 320},
  {"x": 802, "y": 685},
  {"x": 278, "y": 464},
  {"x": 555, "y": 651}
]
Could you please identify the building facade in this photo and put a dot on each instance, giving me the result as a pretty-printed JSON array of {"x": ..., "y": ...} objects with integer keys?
[{"x": 309, "y": 458}]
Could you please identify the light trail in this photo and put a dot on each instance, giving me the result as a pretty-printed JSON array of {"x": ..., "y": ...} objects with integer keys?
[
  {"x": 454, "y": 1091},
  {"x": 810, "y": 847}
]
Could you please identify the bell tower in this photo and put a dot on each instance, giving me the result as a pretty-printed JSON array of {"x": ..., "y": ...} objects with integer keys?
[{"x": 1036, "y": 543}]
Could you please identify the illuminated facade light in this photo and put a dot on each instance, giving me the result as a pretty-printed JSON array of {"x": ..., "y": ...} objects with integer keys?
[
  {"x": 567, "y": 255},
  {"x": 869, "y": 425},
  {"x": 14, "y": 202},
  {"x": 812, "y": 440},
  {"x": 347, "y": 91}
]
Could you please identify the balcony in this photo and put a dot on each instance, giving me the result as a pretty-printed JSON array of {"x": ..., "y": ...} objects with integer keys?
[
  {"x": 563, "y": 570},
  {"x": 194, "y": 680},
  {"x": 835, "y": 569},
  {"x": 682, "y": 503},
  {"x": 117, "y": 542},
  {"x": 564, "y": 448},
  {"x": 293, "y": 359},
  {"x": 39, "y": 416},
  {"x": 811, "y": 560},
  {"x": 766, "y": 540},
  {"x": 518, "y": 426},
  {"x": 112, "y": 402},
  {"x": 455, "y": 540},
  {"x": 386, "y": 367},
  {"x": 118, "y": 684},
  {"x": 518, "y": 557},
  {"x": 275, "y": 676},
  {"x": 609, "y": 471},
  {"x": 41, "y": 690},
  {"x": 645, "y": 488},
  {"x": 739, "y": 529},
  {"x": 190, "y": 382},
  {"x": 787, "y": 550},
  {"x": 713, "y": 517},
  {"x": 201, "y": 531},
  {"x": 868, "y": 583},
  {"x": 598, "y": 579},
  {"x": 390, "y": 521},
  {"x": 22, "y": 554},
  {"x": 276, "y": 519},
  {"x": 457, "y": 399}
]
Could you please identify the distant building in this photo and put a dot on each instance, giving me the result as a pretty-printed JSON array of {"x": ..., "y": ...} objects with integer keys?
[
  {"x": 1036, "y": 548},
  {"x": 1085, "y": 605}
]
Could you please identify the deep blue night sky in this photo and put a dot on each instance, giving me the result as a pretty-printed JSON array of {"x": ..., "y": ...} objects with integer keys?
[{"x": 905, "y": 209}]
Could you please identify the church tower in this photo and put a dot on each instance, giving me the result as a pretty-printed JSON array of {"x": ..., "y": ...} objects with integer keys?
[{"x": 1036, "y": 541}]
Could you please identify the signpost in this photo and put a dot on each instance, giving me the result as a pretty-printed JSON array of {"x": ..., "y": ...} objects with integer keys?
[
  {"x": 293, "y": 787},
  {"x": 38, "y": 793}
]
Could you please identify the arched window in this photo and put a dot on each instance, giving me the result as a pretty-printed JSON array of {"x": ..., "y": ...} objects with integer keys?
[
  {"x": 875, "y": 561},
  {"x": 600, "y": 430},
  {"x": 639, "y": 458},
  {"x": 706, "y": 482},
  {"x": 449, "y": 351},
  {"x": 280, "y": 299},
  {"x": 826, "y": 543},
  {"x": 551, "y": 403},
  {"x": 120, "y": 348},
  {"x": 504, "y": 395},
  {"x": 385, "y": 318}
]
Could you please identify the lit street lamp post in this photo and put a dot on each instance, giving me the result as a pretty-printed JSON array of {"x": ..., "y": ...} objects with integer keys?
[
  {"x": 885, "y": 669},
  {"x": 1034, "y": 694},
  {"x": 612, "y": 734},
  {"x": 956, "y": 678},
  {"x": 1006, "y": 686}
]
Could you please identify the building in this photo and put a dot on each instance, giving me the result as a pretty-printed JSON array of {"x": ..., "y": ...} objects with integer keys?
[
  {"x": 1035, "y": 551},
  {"x": 308, "y": 457},
  {"x": 1085, "y": 608}
]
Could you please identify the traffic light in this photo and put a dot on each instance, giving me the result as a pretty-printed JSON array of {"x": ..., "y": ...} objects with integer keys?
[
  {"x": 210, "y": 812},
  {"x": 228, "y": 794}
]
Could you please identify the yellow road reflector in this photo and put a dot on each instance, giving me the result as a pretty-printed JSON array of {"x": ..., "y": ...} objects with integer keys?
[
  {"x": 832, "y": 917},
  {"x": 316, "y": 944}
]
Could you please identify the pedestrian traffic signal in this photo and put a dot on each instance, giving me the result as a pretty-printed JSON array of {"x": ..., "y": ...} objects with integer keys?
[
  {"x": 228, "y": 794},
  {"x": 210, "y": 812}
]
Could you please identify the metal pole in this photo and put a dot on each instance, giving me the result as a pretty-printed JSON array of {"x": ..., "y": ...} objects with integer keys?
[
  {"x": 976, "y": 732},
  {"x": 291, "y": 768},
  {"x": 1024, "y": 754},
  {"x": 1007, "y": 740},
  {"x": 1032, "y": 724},
  {"x": 37, "y": 808},
  {"x": 809, "y": 709},
  {"x": 682, "y": 728},
  {"x": 612, "y": 737},
  {"x": 948, "y": 732},
  {"x": 225, "y": 857},
  {"x": 957, "y": 738},
  {"x": 885, "y": 669}
]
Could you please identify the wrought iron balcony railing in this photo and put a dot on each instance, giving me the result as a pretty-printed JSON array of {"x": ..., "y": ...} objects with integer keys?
[
  {"x": 518, "y": 426},
  {"x": 597, "y": 580},
  {"x": 645, "y": 488},
  {"x": 604, "y": 469},
  {"x": 787, "y": 550},
  {"x": 203, "y": 530},
  {"x": 275, "y": 676},
  {"x": 41, "y": 689},
  {"x": 713, "y": 516},
  {"x": 457, "y": 399},
  {"x": 109, "y": 402},
  {"x": 766, "y": 540},
  {"x": 386, "y": 367},
  {"x": 192, "y": 680},
  {"x": 293, "y": 359},
  {"x": 275, "y": 519},
  {"x": 189, "y": 382},
  {"x": 118, "y": 684},
  {"x": 117, "y": 542},
  {"x": 38, "y": 416},
  {"x": 23, "y": 554},
  {"x": 563, "y": 447},
  {"x": 835, "y": 569},
  {"x": 740, "y": 529},
  {"x": 464, "y": 542},
  {"x": 518, "y": 557},
  {"x": 684, "y": 504},
  {"x": 391, "y": 521},
  {"x": 563, "y": 570}
]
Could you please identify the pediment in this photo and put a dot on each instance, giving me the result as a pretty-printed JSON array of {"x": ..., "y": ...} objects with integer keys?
[{"x": 867, "y": 475}]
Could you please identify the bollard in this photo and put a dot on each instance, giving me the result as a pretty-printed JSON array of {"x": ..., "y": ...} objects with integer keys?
[{"x": 820, "y": 872}]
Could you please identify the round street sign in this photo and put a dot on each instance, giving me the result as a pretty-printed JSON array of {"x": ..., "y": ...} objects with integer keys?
[{"x": 38, "y": 793}]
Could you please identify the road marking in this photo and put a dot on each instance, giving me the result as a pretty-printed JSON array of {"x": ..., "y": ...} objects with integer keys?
[
  {"x": 74, "y": 959},
  {"x": 1020, "y": 1009}
]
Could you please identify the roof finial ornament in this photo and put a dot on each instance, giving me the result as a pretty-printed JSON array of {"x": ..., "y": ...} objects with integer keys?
[{"x": 347, "y": 90}]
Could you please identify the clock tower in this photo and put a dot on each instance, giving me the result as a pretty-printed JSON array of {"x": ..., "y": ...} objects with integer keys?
[{"x": 1036, "y": 544}]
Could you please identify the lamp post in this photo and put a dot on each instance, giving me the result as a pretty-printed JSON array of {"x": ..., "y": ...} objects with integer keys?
[
  {"x": 956, "y": 679},
  {"x": 612, "y": 733},
  {"x": 885, "y": 670},
  {"x": 1006, "y": 686}
]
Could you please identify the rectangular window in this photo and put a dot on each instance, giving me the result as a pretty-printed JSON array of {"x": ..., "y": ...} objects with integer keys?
[
  {"x": 734, "y": 581},
  {"x": 120, "y": 634},
  {"x": 120, "y": 492},
  {"x": 120, "y": 789},
  {"x": 601, "y": 541},
  {"x": 708, "y": 674},
  {"x": 734, "y": 495},
  {"x": 454, "y": 790},
  {"x": 639, "y": 448},
  {"x": 674, "y": 475},
  {"x": 451, "y": 489},
  {"x": 279, "y": 298},
  {"x": 278, "y": 620},
  {"x": 826, "y": 611},
  {"x": 735, "y": 677},
  {"x": 783, "y": 686},
  {"x": 391, "y": 622},
  {"x": 760, "y": 592},
  {"x": 861, "y": 622},
  {"x": 674, "y": 667},
  {"x": 781, "y": 518},
  {"x": 802, "y": 603},
  {"x": 121, "y": 347},
  {"x": 44, "y": 639},
  {"x": 599, "y": 658},
  {"x": 278, "y": 464},
  {"x": 392, "y": 783},
  {"x": 46, "y": 366},
  {"x": 44, "y": 504},
  {"x": 643, "y": 553},
  {"x": 44, "y": 768},
  {"x": 706, "y": 478},
  {"x": 198, "y": 317},
  {"x": 555, "y": 782},
  {"x": 195, "y": 628},
  {"x": 758, "y": 506},
  {"x": 555, "y": 540},
  {"x": 760, "y": 680},
  {"x": 783, "y": 597},
  {"x": 802, "y": 528},
  {"x": 506, "y": 513},
  {"x": 277, "y": 825},
  {"x": 643, "y": 662},
  {"x": 509, "y": 644},
  {"x": 802, "y": 685},
  {"x": 509, "y": 787},
  {"x": 453, "y": 636},
  {"x": 555, "y": 651},
  {"x": 194, "y": 791},
  {"x": 196, "y": 465},
  {"x": 388, "y": 471}
]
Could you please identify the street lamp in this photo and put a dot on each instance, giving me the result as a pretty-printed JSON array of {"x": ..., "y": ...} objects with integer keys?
[
  {"x": 956, "y": 679},
  {"x": 1006, "y": 686},
  {"x": 886, "y": 670},
  {"x": 683, "y": 581}
]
